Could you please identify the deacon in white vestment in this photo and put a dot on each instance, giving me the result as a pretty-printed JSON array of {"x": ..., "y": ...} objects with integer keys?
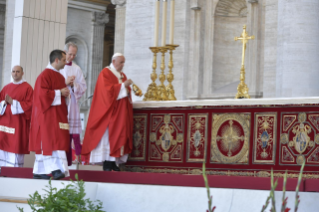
[{"x": 77, "y": 85}]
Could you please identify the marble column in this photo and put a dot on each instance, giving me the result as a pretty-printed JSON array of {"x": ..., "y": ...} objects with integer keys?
[
  {"x": 195, "y": 63},
  {"x": 119, "y": 25},
  {"x": 252, "y": 63},
  {"x": 99, "y": 20},
  {"x": 297, "y": 54},
  {"x": 2, "y": 23},
  {"x": 38, "y": 28}
]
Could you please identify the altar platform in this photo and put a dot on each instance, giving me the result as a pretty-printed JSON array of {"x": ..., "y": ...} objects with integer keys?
[{"x": 234, "y": 137}]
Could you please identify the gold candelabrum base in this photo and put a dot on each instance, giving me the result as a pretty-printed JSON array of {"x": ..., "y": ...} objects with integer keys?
[
  {"x": 160, "y": 92},
  {"x": 151, "y": 93},
  {"x": 242, "y": 89},
  {"x": 161, "y": 89},
  {"x": 170, "y": 76}
]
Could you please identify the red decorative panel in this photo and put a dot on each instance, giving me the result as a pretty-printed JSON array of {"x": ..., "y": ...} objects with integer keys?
[
  {"x": 139, "y": 137},
  {"x": 197, "y": 137},
  {"x": 230, "y": 138},
  {"x": 166, "y": 138},
  {"x": 265, "y": 138},
  {"x": 300, "y": 141}
]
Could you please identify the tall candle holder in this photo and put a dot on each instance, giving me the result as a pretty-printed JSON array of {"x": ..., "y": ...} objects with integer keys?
[
  {"x": 161, "y": 90},
  {"x": 152, "y": 92},
  {"x": 170, "y": 76}
]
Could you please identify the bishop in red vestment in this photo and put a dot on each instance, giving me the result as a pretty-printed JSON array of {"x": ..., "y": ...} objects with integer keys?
[
  {"x": 49, "y": 133},
  {"x": 15, "y": 115},
  {"x": 109, "y": 129}
]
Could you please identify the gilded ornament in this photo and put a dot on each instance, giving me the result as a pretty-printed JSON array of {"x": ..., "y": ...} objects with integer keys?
[
  {"x": 311, "y": 144},
  {"x": 152, "y": 137},
  {"x": 300, "y": 159},
  {"x": 165, "y": 156},
  {"x": 284, "y": 138},
  {"x": 167, "y": 118},
  {"x": 302, "y": 117},
  {"x": 317, "y": 139},
  {"x": 301, "y": 140},
  {"x": 230, "y": 138},
  {"x": 291, "y": 144}
]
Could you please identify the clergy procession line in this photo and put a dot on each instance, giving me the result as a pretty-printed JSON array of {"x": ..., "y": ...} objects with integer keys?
[{"x": 46, "y": 120}]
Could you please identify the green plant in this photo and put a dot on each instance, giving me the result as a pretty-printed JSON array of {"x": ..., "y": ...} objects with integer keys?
[
  {"x": 284, "y": 198},
  {"x": 68, "y": 199},
  {"x": 210, "y": 198}
]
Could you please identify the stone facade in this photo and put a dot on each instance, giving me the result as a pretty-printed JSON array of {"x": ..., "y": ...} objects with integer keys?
[{"x": 280, "y": 62}]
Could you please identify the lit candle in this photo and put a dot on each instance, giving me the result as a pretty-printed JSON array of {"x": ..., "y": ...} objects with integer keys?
[
  {"x": 157, "y": 10},
  {"x": 171, "y": 33},
  {"x": 164, "y": 18}
]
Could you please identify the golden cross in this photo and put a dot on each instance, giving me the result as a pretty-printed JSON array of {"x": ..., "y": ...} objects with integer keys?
[{"x": 244, "y": 39}]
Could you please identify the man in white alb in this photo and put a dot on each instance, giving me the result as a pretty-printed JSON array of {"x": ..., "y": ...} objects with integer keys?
[{"x": 75, "y": 81}]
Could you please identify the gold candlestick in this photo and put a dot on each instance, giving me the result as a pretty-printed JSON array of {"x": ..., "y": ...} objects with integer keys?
[
  {"x": 151, "y": 94},
  {"x": 170, "y": 76},
  {"x": 161, "y": 90},
  {"x": 242, "y": 89}
]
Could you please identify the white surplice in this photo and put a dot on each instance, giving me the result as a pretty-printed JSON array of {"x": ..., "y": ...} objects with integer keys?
[
  {"x": 45, "y": 164},
  {"x": 11, "y": 159},
  {"x": 101, "y": 152},
  {"x": 76, "y": 93}
]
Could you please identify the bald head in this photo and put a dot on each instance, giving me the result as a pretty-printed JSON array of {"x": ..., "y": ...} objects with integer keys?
[
  {"x": 17, "y": 73},
  {"x": 118, "y": 61}
]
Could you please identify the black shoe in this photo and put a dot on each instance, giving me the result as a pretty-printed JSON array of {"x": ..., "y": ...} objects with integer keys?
[
  {"x": 115, "y": 167},
  {"x": 57, "y": 174},
  {"x": 41, "y": 176},
  {"x": 107, "y": 166}
]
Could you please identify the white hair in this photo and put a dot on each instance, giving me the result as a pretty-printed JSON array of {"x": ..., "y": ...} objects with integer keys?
[
  {"x": 67, "y": 46},
  {"x": 117, "y": 55}
]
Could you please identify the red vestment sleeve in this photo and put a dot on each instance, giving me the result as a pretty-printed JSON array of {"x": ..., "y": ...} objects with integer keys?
[
  {"x": 26, "y": 104},
  {"x": 104, "y": 98},
  {"x": 46, "y": 94}
]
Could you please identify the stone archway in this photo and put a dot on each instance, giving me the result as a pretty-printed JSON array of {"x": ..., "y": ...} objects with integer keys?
[{"x": 229, "y": 18}]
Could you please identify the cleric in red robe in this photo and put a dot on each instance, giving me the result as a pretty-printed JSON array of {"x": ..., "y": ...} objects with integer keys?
[
  {"x": 49, "y": 133},
  {"x": 109, "y": 130},
  {"x": 15, "y": 115}
]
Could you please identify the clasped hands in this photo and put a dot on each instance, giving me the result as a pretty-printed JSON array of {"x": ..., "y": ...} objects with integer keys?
[
  {"x": 8, "y": 99},
  {"x": 69, "y": 81}
]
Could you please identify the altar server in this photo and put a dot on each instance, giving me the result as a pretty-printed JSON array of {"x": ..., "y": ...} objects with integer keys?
[
  {"x": 15, "y": 115},
  {"x": 75, "y": 81},
  {"x": 49, "y": 136},
  {"x": 109, "y": 129}
]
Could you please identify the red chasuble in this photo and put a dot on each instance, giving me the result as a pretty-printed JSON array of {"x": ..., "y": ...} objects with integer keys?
[
  {"x": 14, "y": 129},
  {"x": 49, "y": 124},
  {"x": 105, "y": 112}
]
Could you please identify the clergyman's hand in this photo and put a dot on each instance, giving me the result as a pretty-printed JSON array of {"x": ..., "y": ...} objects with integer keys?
[
  {"x": 70, "y": 80},
  {"x": 65, "y": 92},
  {"x": 8, "y": 99},
  {"x": 128, "y": 82}
]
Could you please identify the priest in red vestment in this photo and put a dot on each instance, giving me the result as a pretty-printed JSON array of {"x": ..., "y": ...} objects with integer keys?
[
  {"x": 15, "y": 115},
  {"x": 109, "y": 130},
  {"x": 49, "y": 133}
]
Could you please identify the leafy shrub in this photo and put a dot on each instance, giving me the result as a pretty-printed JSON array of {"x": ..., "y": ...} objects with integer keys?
[{"x": 68, "y": 199}]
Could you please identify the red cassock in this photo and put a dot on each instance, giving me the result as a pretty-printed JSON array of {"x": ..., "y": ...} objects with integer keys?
[
  {"x": 19, "y": 141},
  {"x": 105, "y": 112},
  {"x": 49, "y": 124}
]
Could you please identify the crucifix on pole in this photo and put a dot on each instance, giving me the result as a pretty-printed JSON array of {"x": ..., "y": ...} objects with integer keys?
[{"x": 242, "y": 89}]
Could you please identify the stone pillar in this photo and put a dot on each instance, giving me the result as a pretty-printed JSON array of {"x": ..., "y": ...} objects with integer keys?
[
  {"x": 253, "y": 72},
  {"x": 270, "y": 48},
  {"x": 2, "y": 23},
  {"x": 99, "y": 20},
  {"x": 297, "y": 54},
  {"x": 195, "y": 63},
  {"x": 38, "y": 28},
  {"x": 119, "y": 25}
]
